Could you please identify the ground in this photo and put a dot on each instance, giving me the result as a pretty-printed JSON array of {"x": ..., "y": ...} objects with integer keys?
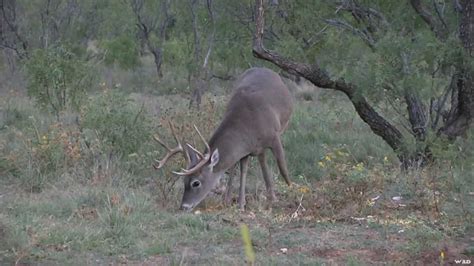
[
  {"x": 105, "y": 225},
  {"x": 70, "y": 196}
]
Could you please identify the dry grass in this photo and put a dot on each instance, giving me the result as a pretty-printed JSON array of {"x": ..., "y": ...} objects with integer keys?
[{"x": 350, "y": 204}]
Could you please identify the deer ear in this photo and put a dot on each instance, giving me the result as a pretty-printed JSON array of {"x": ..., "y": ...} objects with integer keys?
[{"x": 214, "y": 158}]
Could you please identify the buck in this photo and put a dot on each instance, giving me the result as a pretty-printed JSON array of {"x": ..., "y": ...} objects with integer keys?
[{"x": 257, "y": 114}]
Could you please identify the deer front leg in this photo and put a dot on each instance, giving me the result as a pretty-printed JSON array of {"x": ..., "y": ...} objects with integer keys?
[
  {"x": 267, "y": 177},
  {"x": 279, "y": 153},
  {"x": 228, "y": 193},
  {"x": 244, "y": 166}
]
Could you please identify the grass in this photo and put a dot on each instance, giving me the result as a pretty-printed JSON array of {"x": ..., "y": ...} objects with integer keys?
[{"x": 83, "y": 197}]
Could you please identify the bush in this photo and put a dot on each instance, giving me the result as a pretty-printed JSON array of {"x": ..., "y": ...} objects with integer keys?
[
  {"x": 57, "y": 79},
  {"x": 37, "y": 155},
  {"x": 116, "y": 123},
  {"x": 122, "y": 51}
]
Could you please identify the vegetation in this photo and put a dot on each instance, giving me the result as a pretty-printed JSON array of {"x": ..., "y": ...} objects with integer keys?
[
  {"x": 57, "y": 79},
  {"x": 84, "y": 86}
]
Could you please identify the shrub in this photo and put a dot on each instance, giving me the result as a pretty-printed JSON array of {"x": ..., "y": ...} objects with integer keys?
[
  {"x": 36, "y": 155},
  {"x": 57, "y": 78},
  {"x": 122, "y": 51},
  {"x": 116, "y": 123}
]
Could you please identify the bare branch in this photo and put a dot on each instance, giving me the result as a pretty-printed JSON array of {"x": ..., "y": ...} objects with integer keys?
[
  {"x": 315, "y": 38},
  {"x": 457, "y": 6},
  {"x": 319, "y": 77},
  {"x": 148, "y": 25},
  {"x": 439, "y": 13},
  {"x": 10, "y": 20},
  {"x": 441, "y": 102},
  {"x": 439, "y": 31},
  {"x": 345, "y": 25},
  {"x": 211, "y": 38}
]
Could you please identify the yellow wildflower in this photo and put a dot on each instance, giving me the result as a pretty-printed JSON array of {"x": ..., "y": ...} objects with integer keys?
[
  {"x": 359, "y": 167},
  {"x": 303, "y": 189},
  {"x": 249, "y": 253}
]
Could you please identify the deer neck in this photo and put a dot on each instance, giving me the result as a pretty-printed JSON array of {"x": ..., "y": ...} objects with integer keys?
[{"x": 231, "y": 149}]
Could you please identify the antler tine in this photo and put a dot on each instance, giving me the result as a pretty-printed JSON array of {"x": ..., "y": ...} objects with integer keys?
[
  {"x": 203, "y": 139},
  {"x": 171, "y": 152},
  {"x": 173, "y": 131},
  {"x": 163, "y": 161},
  {"x": 157, "y": 139},
  {"x": 204, "y": 157},
  {"x": 174, "y": 134},
  {"x": 195, "y": 150},
  {"x": 196, "y": 168}
]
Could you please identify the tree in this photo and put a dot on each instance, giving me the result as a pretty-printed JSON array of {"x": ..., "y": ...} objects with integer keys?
[
  {"x": 201, "y": 76},
  {"x": 398, "y": 60},
  {"x": 153, "y": 19},
  {"x": 10, "y": 36}
]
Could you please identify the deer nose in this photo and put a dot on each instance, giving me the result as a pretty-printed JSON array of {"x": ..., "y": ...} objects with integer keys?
[{"x": 186, "y": 207}]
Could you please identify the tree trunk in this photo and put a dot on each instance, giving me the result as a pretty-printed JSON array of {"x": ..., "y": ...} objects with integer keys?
[
  {"x": 462, "y": 108},
  {"x": 147, "y": 27},
  {"x": 200, "y": 78},
  {"x": 158, "y": 58},
  {"x": 10, "y": 37}
]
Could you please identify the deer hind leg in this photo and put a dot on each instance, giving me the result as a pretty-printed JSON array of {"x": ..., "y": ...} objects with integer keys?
[
  {"x": 244, "y": 166},
  {"x": 267, "y": 177},
  {"x": 279, "y": 153}
]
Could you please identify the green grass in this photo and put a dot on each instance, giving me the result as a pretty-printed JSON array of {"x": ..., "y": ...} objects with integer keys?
[{"x": 101, "y": 202}]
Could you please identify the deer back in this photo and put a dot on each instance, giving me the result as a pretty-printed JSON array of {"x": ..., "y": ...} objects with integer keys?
[{"x": 258, "y": 111}]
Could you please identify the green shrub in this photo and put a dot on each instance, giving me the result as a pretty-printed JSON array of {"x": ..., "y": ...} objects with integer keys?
[
  {"x": 115, "y": 123},
  {"x": 57, "y": 79},
  {"x": 35, "y": 155},
  {"x": 122, "y": 51}
]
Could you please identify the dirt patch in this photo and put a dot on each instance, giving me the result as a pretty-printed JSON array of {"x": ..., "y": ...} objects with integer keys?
[
  {"x": 368, "y": 255},
  {"x": 150, "y": 261}
]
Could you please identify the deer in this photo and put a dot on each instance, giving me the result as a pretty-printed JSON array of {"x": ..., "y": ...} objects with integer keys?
[{"x": 256, "y": 116}]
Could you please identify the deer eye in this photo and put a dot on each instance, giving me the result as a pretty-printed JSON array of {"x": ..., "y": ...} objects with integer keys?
[{"x": 195, "y": 183}]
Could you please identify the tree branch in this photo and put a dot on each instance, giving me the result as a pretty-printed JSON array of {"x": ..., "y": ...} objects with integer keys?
[
  {"x": 14, "y": 29},
  {"x": 210, "y": 40},
  {"x": 345, "y": 25},
  {"x": 429, "y": 19},
  {"x": 439, "y": 13},
  {"x": 319, "y": 77},
  {"x": 462, "y": 108}
]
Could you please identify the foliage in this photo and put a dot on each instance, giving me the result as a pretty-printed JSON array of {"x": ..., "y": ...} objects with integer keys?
[
  {"x": 89, "y": 203},
  {"x": 113, "y": 121},
  {"x": 123, "y": 51},
  {"x": 78, "y": 187},
  {"x": 57, "y": 79},
  {"x": 39, "y": 155}
]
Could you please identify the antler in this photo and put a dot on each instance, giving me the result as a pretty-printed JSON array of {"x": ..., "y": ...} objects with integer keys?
[
  {"x": 160, "y": 163},
  {"x": 204, "y": 158}
]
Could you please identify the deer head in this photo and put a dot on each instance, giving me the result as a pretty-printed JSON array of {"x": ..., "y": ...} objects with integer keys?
[{"x": 199, "y": 177}]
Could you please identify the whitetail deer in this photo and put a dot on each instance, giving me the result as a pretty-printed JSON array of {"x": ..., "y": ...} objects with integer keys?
[{"x": 256, "y": 116}]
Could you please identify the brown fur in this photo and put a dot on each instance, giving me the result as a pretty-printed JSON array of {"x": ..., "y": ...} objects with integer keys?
[{"x": 256, "y": 116}]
